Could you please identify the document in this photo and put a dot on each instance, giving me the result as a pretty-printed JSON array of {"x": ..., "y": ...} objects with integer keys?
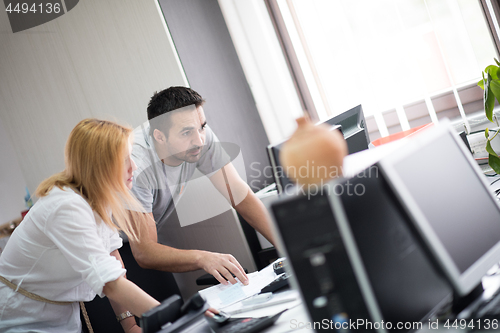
[
  {"x": 287, "y": 296},
  {"x": 221, "y": 296}
]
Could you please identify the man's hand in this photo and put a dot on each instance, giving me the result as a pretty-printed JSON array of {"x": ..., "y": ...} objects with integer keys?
[
  {"x": 222, "y": 265},
  {"x": 152, "y": 255}
]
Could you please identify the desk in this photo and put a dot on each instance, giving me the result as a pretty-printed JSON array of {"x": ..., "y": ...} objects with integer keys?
[
  {"x": 296, "y": 318},
  {"x": 401, "y": 281},
  {"x": 296, "y": 311},
  {"x": 287, "y": 322}
]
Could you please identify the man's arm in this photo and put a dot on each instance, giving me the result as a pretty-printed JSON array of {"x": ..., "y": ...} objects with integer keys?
[
  {"x": 150, "y": 254},
  {"x": 229, "y": 183}
]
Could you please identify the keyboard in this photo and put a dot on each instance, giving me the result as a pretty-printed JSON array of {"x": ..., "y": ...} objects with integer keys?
[
  {"x": 278, "y": 283},
  {"x": 279, "y": 267}
]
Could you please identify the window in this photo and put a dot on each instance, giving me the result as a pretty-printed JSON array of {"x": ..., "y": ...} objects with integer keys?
[{"x": 408, "y": 62}]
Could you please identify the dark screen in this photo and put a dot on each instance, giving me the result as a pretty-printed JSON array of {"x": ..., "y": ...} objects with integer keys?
[
  {"x": 453, "y": 200},
  {"x": 353, "y": 128},
  {"x": 321, "y": 264},
  {"x": 405, "y": 283},
  {"x": 282, "y": 181}
]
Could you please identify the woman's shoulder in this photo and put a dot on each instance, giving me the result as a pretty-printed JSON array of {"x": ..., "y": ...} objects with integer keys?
[
  {"x": 57, "y": 203},
  {"x": 63, "y": 195}
]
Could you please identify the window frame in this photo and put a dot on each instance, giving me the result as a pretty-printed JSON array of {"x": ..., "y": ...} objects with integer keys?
[{"x": 377, "y": 124}]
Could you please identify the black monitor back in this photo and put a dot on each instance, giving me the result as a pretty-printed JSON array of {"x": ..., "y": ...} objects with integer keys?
[
  {"x": 321, "y": 264},
  {"x": 282, "y": 181},
  {"x": 354, "y": 128},
  {"x": 405, "y": 282}
]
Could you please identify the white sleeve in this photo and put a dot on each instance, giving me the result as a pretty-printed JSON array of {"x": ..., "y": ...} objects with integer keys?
[
  {"x": 115, "y": 241},
  {"x": 72, "y": 228}
]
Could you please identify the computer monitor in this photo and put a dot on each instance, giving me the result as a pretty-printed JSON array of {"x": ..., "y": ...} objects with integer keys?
[
  {"x": 354, "y": 129},
  {"x": 325, "y": 264},
  {"x": 279, "y": 175},
  {"x": 449, "y": 203},
  {"x": 405, "y": 281},
  {"x": 351, "y": 123},
  {"x": 279, "y": 172},
  {"x": 406, "y": 286}
]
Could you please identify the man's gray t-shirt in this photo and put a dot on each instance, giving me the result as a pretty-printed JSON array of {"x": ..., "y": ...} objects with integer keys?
[{"x": 158, "y": 186}]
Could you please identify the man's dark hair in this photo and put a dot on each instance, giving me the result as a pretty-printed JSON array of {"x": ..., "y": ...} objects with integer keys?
[
  {"x": 172, "y": 98},
  {"x": 167, "y": 100}
]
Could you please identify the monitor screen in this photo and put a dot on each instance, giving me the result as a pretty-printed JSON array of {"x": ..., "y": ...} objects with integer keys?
[
  {"x": 282, "y": 181},
  {"x": 449, "y": 202}
]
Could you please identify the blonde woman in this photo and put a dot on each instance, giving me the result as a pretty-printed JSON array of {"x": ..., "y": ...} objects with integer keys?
[{"x": 66, "y": 248}]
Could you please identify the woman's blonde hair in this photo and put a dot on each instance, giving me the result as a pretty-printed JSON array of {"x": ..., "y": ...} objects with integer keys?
[{"x": 95, "y": 159}]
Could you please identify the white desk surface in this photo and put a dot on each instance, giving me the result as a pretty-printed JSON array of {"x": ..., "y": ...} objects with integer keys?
[
  {"x": 287, "y": 322},
  {"x": 296, "y": 311},
  {"x": 296, "y": 318}
]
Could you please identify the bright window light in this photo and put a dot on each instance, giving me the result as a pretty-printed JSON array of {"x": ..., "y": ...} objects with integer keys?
[{"x": 387, "y": 53}]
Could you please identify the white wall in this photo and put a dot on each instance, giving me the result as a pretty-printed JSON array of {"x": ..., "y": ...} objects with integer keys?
[
  {"x": 12, "y": 183},
  {"x": 265, "y": 68},
  {"x": 102, "y": 59}
]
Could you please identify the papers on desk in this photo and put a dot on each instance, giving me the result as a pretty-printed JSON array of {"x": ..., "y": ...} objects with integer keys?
[
  {"x": 221, "y": 296},
  {"x": 279, "y": 298}
]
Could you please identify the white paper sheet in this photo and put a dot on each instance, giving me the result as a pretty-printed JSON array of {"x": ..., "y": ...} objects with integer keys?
[{"x": 221, "y": 296}]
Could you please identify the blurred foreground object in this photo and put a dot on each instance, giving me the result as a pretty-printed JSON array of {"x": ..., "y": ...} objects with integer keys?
[
  {"x": 313, "y": 154},
  {"x": 6, "y": 230}
]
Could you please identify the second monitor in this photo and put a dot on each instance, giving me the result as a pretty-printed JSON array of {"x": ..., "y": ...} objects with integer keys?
[
  {"x": 353, "y": 128},
  {"x": 451, "y": 207}
]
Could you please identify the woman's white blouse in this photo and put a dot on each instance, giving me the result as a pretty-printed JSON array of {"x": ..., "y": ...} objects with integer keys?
[{"x": 60, "y": 251}]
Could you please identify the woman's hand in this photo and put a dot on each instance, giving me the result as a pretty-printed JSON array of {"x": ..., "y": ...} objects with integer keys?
[{"x": 134, "y": 329}]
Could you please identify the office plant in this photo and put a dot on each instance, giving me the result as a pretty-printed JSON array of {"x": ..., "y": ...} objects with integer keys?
[{"x": 491, "y": 86}]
